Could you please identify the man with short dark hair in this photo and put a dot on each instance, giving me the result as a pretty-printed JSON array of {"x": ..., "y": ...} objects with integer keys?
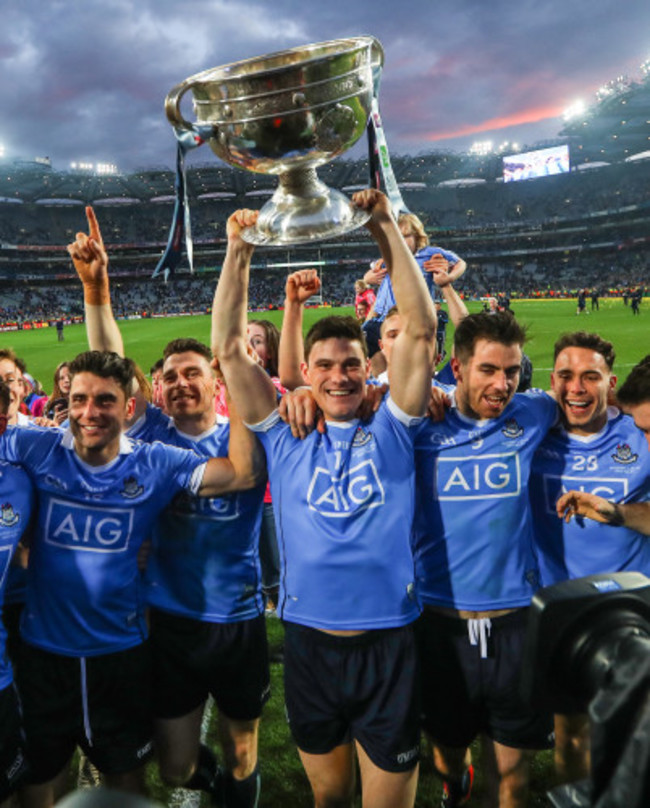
[
  {"x": 203, "y": 577},
  {"x": 84, "y": 672},
  {"x": 598, "y": 449},
  {"x": 634, "y": 398},
  {"x": 475, "y": 563},
  {"x": 344, "y": 506}
]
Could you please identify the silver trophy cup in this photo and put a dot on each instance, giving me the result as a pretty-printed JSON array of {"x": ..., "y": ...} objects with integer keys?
[{"x": 286, "y": 114}]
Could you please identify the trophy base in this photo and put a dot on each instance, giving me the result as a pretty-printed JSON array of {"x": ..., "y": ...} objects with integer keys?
[{"x": 302, "y": 210}]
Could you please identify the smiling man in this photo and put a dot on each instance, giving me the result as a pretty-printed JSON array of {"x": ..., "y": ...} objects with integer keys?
[
  {"x": 634, "y": 397},
  {"x": 203, "y": 577},
  {"x": 84, "y": 672},
  {"x": 475, "y": 563},
  {"x": 344, "y": 506},
  {"x": 595, "y": 458}
]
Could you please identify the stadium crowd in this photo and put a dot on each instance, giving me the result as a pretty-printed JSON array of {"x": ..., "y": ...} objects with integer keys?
[
  {"x": 49, "y": 302},
  {"x": 410, "y": 518}
]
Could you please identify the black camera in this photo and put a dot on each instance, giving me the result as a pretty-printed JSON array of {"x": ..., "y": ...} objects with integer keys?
[{"x": 588, "y": 650}]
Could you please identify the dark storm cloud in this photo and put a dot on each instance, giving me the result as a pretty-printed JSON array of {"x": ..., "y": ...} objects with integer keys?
[{"x": 87, "y": 80}]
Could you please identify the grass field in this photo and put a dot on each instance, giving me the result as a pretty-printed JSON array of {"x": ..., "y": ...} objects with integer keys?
[
  {"x": 284, "y": 783},
  {"x": 545, "y": 319}
]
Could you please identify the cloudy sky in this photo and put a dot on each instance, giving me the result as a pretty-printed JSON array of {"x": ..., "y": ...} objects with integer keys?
[{"x": 86, "y": 79}]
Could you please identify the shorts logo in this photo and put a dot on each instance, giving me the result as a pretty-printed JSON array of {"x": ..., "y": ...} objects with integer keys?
[
  {"x": 85, "y": 527},
  {"x": 144, "y": 750},
  {"x": 355, "y": 491},
  {"x": 490, "y": 476},
  {"x": 8, "y": 517},
  {"x": 409, "y": 755},
  {"x": 624, "y": 454},
  {"x": 131, "y": 488},
  {"x": 16, "y": 767},
  {"x": 511, "y": 429},
  {"x": 609, "y": 488}
]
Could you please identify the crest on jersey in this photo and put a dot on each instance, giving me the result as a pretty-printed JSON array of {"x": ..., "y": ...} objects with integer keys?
[
  {"x": 361, "y": 437},
  {"x": 511, "y": 429},
  {"x": 131, "y": 488},
  {"x": 8, "y": 516},
  {"x": 623, "y": 454}
]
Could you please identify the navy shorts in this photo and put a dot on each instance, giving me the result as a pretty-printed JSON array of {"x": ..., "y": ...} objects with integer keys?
[
  {"x": 13, "y": 760},
  {"x": 11, "y": 614},
  {"x": 193, "y": 659},
  {"x": 100, "y": 703},
  {"x": 471, "y": 683},
  {"x": 363, "y": 688}
]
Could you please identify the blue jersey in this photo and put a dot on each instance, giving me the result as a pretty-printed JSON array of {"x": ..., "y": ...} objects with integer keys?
[
  {"x": 343, "y": 506},
  {"x": 615, "y": 464},
  {"x": 16, "y": 502},
  {"x": 205, "y": 556},
  {"x": 473, "y": 533},
  {"x": 84, "y": 595},
  {"x": 385, "y": 296},
  {"x": 16, "y": 586}
]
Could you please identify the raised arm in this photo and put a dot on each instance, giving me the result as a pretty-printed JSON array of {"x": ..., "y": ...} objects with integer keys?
[
  {"x": 633, "y": 515},
  {"x": 438, "y": 263},
  {"x": 245, "y": 466},
  {"x": 413, "y": 354},
  {"x": 249, "y": 385},
  {"x": 300, "y": 286},
  {"x": 91, "y": 262},
  {"x": 455, "y": 305}
]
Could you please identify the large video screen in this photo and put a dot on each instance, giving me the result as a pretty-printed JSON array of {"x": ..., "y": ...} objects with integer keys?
[{"x": 540, "y": 163}]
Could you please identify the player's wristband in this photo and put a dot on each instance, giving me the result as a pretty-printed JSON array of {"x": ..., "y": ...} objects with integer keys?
[{"x": 617, "y": 519}]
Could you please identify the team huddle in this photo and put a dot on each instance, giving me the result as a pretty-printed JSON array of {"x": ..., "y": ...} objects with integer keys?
[{"x": 412, "y": 524}]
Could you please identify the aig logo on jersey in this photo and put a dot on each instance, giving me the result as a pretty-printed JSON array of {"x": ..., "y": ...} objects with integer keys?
[
  {"x": 607, "y": 487},
  {"x": 355, "y": 491},
  {"x": 490, "y": 476},
  {"x": 85, "y": 527}
]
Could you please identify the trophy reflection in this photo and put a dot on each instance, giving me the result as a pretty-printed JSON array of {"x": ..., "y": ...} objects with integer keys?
[{"x": 286, "y": 114}]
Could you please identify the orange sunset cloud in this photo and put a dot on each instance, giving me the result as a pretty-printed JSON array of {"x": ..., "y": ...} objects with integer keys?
[{"x": 526, "y": 116}]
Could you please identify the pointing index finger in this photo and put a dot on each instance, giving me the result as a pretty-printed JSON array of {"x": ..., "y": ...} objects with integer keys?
[{"x": 93, "y": 226}]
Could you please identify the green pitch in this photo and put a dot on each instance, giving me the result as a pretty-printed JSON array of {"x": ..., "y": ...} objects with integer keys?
[
  {"x": 283, "y": 781},
  {"x": 545, "y": 319}
]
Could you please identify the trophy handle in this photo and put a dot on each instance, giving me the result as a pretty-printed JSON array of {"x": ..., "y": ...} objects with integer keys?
[
  {"x": 376, "y": 55},
  {"x": 173, "y": 112}
]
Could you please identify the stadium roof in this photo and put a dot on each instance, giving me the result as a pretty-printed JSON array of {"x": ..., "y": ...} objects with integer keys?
[{"x": 615, "y": 127}]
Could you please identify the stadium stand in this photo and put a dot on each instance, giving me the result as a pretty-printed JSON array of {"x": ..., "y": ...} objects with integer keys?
[{"x": 584, "y": 228}]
